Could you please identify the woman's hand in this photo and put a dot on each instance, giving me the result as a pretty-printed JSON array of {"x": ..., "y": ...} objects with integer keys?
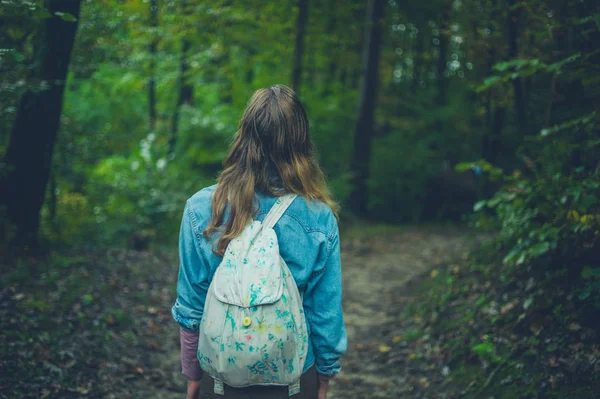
[
  {"x": 323, "y": 385},
  {"x": 193, "y": 390}
]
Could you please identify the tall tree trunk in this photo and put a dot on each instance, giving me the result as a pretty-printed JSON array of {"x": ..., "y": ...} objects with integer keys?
[
  {"x": 366, "y": 108},
  {"x": 418, "y": 60},
  {"x": 28, "y": 158},
  {"x": 249, "y": 78},
  {"x": 495, "y": 114},
  {"x": 152, "y": 50},
  {"x": 329, "y": 84},
  {"x": 442, "y": 82},
  {"x": 186, "y": 93},
  {"x": 514, "y": 16},
  {"x": 299, "y": 51}
]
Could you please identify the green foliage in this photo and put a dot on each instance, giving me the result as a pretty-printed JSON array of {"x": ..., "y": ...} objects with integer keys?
[
  {"x": 487, "y": 351},
  {"x": 431, "y": 113},
  {"x": 547, "y": 210},
  {"x": 400, "y": 177},
  {"x": 553, "y": 208},
  {"x": 522, "y": 68},
  {"x": 136, "y": 195}
]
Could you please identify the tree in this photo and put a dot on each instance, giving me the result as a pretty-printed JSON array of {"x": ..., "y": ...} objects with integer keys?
[
  {"x": 366, "y": 108},
  {"x": 299, "y": 49},
  {"x": 442, "y": 82},
  {"x": 152, "y": 50},
  {"x": 28, "y": 158},
  {"x": 514, "y": 21},
  {"x": 186, "y": 90}
]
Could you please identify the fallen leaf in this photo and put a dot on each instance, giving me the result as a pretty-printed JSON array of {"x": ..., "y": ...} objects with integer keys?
[
  {"x": 154, "y": 327},
  {"x": 509, "y": 306},
  {"x": 434, "y": 273},
  {"x": 384, "y": 348},
  {"x": 536, "y": 329},
  {"x": 412, "y": 356},
  {"x": 19, "y": 296},
  {"x": 397, "y": 339},
  {"x": 154, "y": 345},
  {"x": 359, "y": 347},
  {"x": 574, "y": 327}
]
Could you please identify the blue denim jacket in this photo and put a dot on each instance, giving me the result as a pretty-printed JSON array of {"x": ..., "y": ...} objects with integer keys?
[{"x": 308, "y": 242}]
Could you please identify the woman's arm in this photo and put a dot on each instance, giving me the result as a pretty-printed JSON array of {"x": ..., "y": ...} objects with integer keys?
[
  {"x": 323, "y": 308},
  {"x": 190, "y": 367},
  {"x": 192, "y": 285}
]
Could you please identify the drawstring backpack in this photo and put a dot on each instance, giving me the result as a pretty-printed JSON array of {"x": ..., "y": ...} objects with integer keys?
[{"x": 253, "y": 330}]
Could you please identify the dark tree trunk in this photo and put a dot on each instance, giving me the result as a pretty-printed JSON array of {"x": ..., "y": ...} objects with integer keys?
[
  {"x": 366, "y": 108},
  {"x": 28, "y": 158},
  {"x": 442, "y": 82},
  {"x": 418, "y": 60},
  {"x": 186, "y": 93},
  {"x": 495, "y": 112},
  {"x": 332, "y": 69},
  {"x": 152, "y": 50},
  {"x": 250, "y": 71},
  {"x": 514, "y": 16},
  {"x": 299, "y": 50},
  {"x": 496, "y": 134}
]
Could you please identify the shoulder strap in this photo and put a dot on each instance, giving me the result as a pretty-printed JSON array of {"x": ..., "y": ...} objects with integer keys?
[{"x": 278, "y": 209}]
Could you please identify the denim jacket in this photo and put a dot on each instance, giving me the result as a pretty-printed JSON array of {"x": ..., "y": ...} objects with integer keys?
[{"x": 308, "y": 242}]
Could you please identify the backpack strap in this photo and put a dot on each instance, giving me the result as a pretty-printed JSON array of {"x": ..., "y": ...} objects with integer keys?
[
  {"x": 219, "y": 389},
  {"x": 294, "y": 388},
  {"x": 278, "y": 210}
]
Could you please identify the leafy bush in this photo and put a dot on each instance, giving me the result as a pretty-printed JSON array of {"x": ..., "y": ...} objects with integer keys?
[
  {"x": 548, "y": 215},
  {"x": 72, "y": 222},
  {"x": 137, "y": 197}
]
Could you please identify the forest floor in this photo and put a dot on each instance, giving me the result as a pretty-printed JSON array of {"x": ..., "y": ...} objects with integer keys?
[{"x": 98, "y": 325}]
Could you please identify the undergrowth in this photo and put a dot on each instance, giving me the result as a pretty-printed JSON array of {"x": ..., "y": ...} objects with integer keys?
[
  {"x": 508, "y": 333},
  {"x": 80, "y": 325}
]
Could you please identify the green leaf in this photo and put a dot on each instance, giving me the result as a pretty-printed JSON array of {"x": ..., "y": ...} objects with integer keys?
[
  {"x": 488, "y": 82},
  {"x": 557, "y": 65},
  {"x": 588, "y": 273},
  {"x": 585, "y": 294},
  {"x": 65, "y": 16},
  {"x": 87, "y": 299},
  {"x": 539, "y": 249},
  {"x": 479, "y": 205}
]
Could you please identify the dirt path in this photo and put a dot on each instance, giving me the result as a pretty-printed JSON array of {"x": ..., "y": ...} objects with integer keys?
[{"x": 376, "y": 274}]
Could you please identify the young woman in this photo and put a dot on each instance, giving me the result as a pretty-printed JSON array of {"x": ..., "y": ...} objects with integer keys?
[{"x": 271, "y": 155}]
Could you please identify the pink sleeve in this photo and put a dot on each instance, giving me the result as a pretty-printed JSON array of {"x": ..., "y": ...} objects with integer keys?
[{"x": 190, "y": 367}]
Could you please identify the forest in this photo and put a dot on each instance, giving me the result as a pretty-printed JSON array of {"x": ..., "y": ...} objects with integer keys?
[{"x": 460, "y": 137}]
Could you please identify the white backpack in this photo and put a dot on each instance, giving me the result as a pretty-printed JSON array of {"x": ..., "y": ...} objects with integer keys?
[{"x": 253, "y": 330}]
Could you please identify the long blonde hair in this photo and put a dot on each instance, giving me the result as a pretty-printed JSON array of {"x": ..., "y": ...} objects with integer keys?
[{"x": 271, "y": 153}]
